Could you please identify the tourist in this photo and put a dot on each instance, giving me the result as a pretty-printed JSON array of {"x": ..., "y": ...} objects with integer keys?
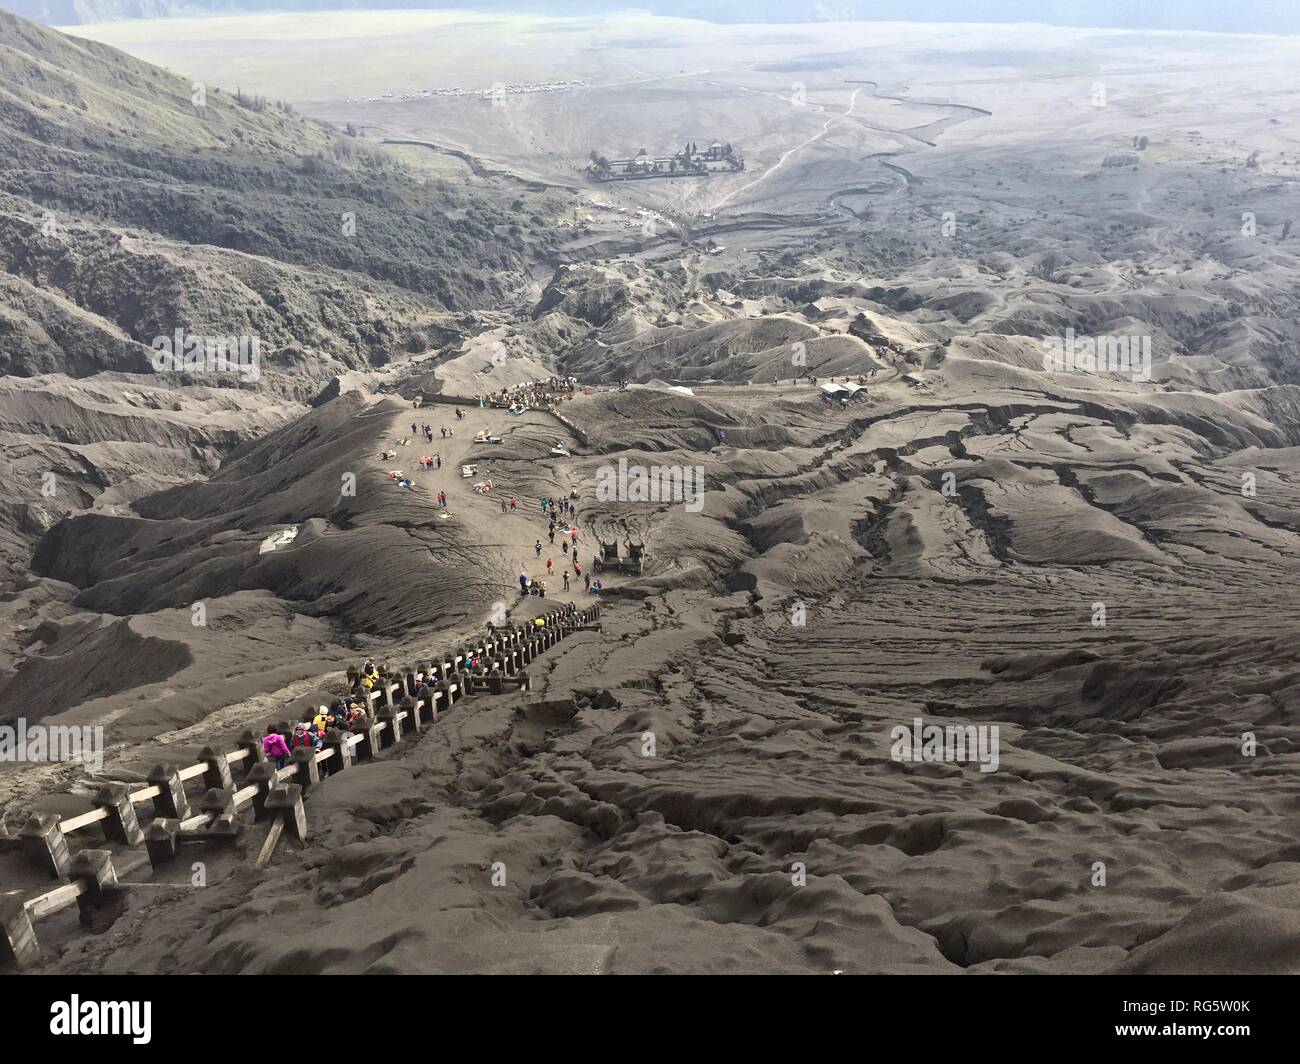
[{"x": 274, "y": 747}]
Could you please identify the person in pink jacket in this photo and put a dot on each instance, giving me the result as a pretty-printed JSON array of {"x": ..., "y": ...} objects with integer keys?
[{"x": 274, "y": 746}]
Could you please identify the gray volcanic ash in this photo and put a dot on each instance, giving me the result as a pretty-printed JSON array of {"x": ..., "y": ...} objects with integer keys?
[{"x": 963, "y": 451}]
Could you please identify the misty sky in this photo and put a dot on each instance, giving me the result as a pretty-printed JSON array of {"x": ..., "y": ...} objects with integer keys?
[
  {"x": 1222, "y": 16},
  {"x": 1237, "y": 16}
]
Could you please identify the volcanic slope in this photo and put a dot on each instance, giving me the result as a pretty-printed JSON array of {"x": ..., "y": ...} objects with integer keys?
[
  {"x": 707, "y": 784},
  {"x": 136, "y": 204}
]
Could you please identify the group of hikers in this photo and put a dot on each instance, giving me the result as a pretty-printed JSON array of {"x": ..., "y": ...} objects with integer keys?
[
  {"x": 349, "y": 712},
  {"x": 537, "y": 395},
  {"x": 426, "y": 430},
  {"x": 556, "y": 510}
]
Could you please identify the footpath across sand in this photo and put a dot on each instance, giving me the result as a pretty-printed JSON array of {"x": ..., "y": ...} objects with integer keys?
[{"x": 518, "y": 467}]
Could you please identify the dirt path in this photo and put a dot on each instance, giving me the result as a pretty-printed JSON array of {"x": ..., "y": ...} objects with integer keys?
[
  {"x": 853, "y": 102},
  {"x": 512, "y": 534}
]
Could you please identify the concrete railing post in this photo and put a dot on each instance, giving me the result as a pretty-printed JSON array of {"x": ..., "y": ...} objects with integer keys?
[
  {"x": 220, "y": 804},
  {"x": 172, "y": 801},
  {"x": 412, "y": 711},
  {"x": 338, "y": 742},
  {"x": 287, "y": 802},
  {"x": 308, "y": 772},
  {"x": 162, "y": 840},
  {"x": 371, "y": 738},
  {"x": 17, "y": 936},
  {"x": 388, "y": 717},
  {"x": 253, "y": 752},
  {"x": 217, "y": 775},
  {"x": 102, "y": 894},
  {"x": 121, "y": 824},
  {"x": 45, "y": 844},
  {"x": 263, "y": 777}
]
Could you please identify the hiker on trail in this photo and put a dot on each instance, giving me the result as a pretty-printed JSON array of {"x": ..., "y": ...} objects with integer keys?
[
  {"x": 551, "y": 535},
  {"x": 437, "y": 458},
  {"x": 538, "y": 547},
  {"x": 577, "y": 569},
  {"x": 566, "y": 579},
  {"x": 503, "y": 506},
  {"x": 274, "y": 746},
  {"x": 412, "y": 428},
  {"x": 550, "y": 569},
  {"x": 523, "y": 584},
  {"x": 586, "y": 581},
  {"x": 543, "y": 506},
  {"x": 304, "y": 738},
  {"x": 564, "y": 546},
  {"x": 460, "y": 414},
  {"x": 444, "y": 432},
  {"x": 514, "y": 504}
]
